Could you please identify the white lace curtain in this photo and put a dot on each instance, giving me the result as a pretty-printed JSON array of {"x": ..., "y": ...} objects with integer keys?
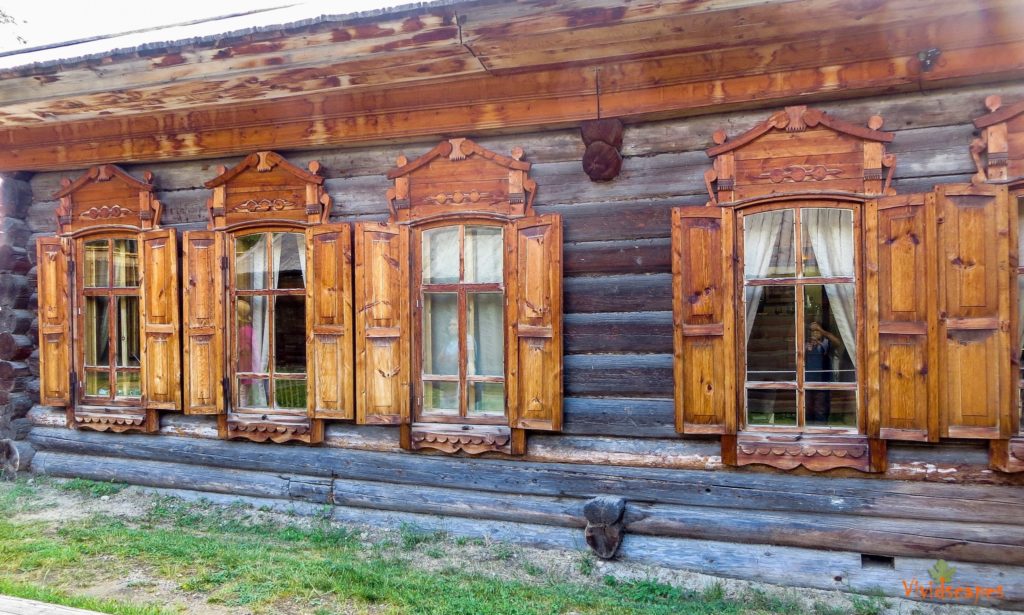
[{"x": 761, "y": 234}]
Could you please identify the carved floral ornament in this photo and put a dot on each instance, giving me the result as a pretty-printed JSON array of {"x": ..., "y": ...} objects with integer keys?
[
  {"x": 993, "y": 151},
  {"x": 821, "y": 141}
]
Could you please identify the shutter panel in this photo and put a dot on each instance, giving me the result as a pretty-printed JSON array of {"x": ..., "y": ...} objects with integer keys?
[
  {"x": 534, "y": 370},
  {"x": 203, "y": 291},
  {"x": 329, "y": 309},
  {"x": 901, "y": 319},
  {"x": 382, "y": 323},
  {"x": 974, "y": 306},
  {"x": 54, "y": 322},
  {"x": 702, "y": 281},
  {"x": 161, "y": 363}
]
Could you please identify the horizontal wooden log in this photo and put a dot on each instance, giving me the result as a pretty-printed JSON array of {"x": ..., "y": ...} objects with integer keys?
[
  {"x": 602, "y": 416},
  {"x": 14, "y": 259},
  {"x": 15, "y": 291},
  {"x": 179, "y": 476},
  {"x": 14, "y": 347},
  {"x": 20, "y": 428},
  {"x": 619, "y": 375},
  {"x": 15, "y": 456},
  {"x": 17, "y": 321},
  {"x": 745, "y": 490},
  {"x": 692, "y": 453},
  {"x": 612, "y": 257},
  {"x": 18, "y": 404},
  {"x": 619, "y": 293},
  {"x": 632, "y": 332}
]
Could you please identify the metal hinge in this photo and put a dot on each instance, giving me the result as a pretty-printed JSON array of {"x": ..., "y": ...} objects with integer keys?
[
  {"x": 224, "y": 263},
  {"x": 74, "y": 388},
  {"x": 226, "y": 385}
]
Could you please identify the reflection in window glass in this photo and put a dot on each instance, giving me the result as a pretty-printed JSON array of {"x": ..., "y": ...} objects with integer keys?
[
  {"x": 97, "y": 331},
  {"x": 768, "y": 245},
  {"x": 486, "y": 398},
  {"x": 290, "y": 393},
  {"x": 771, "y": 338},
  {"x": 830, "y": 408},
  {"x": 484, "y": 255},
  {"x": 129, "y": 384},
  {"x": 830, "y": 333},
  {"x": 97, "y": 383},
  {"x": 251, "y": 262},
  {"x": 253, "y": 392},
  {"x": 440, "y": 396},
  {"x": 440, "y": 334},
  {"x": 441, "y": 255},
  {"x": 97, "y": 263},
  {"x": 290, "y": 334},
  {"x": 771, "y": 407},
  {"x": 126, "y": 263},
  {"x": 128, "y": 332},
  {"x": 289, "y": 267},
  {"x": 827, "y": 242},
  {"x": 485, "y": 343}
]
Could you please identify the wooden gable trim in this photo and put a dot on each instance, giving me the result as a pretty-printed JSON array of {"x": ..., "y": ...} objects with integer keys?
[
  {"x": 146, "y": 209},
  {"x": 460, "y": 149},
  {"x": 798, "y": 119},
  {"x": 994, "y": 153},
  {"x": 263, "y": 162}
]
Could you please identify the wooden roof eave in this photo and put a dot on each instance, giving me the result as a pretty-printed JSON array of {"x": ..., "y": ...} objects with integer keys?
[{"x": 795, "y": 119}]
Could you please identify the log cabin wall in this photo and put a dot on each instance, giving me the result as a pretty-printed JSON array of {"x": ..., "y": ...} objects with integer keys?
[
  {"x": 618, "y": 435},
  {"x": 618, "y": 295}
]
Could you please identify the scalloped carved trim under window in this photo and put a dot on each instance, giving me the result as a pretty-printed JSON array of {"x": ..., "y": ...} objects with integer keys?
[{"x": 812, "y": 451}]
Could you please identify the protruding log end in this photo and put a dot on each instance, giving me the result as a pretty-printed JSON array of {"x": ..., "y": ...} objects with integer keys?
[
  {"x": 604, "y": 530},
  {"x": 602, "y": 160},
  {"x": 15, "y": 456}
]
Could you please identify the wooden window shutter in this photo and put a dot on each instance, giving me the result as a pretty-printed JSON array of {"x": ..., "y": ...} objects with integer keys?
[
  {"x": 702, "y": 281},
  {"x": 382, "y": 323},
  {"x": 974, "y": 311},
  {"x": 534, "y": 286},
  {"x": 329, "y": 316},
  {"x": 203, "y": 289},
  {"x": 901, "y": 341},
  {"x": 54, "y": 322},
  {"x": 161, "y": 384}
]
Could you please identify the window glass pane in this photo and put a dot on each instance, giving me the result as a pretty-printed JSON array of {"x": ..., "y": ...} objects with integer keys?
[
  {"x": 441, "y": 255},
  {"x": 485, "y": 340},
  {"x": 771, "y": 407},
  {"x": 440, "y": 334},
  {"x": 290, "y": 393},
  {"x": 768, "y": 245},
  {"x": 830, "y": 408},
  {"x": 97, "y": 255},
  {"x": 441, "y": 397},
  {"x": 129, "y": 384},
  {"x": 484, "y": 254},
  {"x": 126, "y": 263},
  {"x": 290, "y": 334},
  {"x": 827, "y": 242},
  {"x": 253, "y": 393},
  {"x": 251, "y": 262},
  {"x": 97, "y": 383},
  {"x": 97, "y": 331},
  {"x": 830, "y": 333},
  {"x": 252, "y": 339},
  {"x": 289, "y": 269},
  {"x": 1020, "y": 320},
  {"x": 128, "y": 332},
  {"x": 771, "y": 333},
  {"x": 486, "y": 398}
]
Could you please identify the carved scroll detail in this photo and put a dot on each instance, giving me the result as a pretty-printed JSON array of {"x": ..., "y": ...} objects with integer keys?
[
  {"x": 258, "y": 205},
  {"x": 105, "y": 213},
  {"x": 800, "y": 173},
  {"x": 457, "y": 197}
]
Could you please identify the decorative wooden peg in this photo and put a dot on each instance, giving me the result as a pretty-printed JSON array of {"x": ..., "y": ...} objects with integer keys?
[
  {"x": 604, "y": 530},
  {"x": 602, "y": 160}
]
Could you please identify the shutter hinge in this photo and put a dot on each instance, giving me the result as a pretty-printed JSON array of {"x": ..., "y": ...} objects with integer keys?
[
  {"x": 226, "y": 385},
  {"x": 74, "y": 388},
  {"x": 71, "y": 267},
  {"x": 224, "y": 263}
]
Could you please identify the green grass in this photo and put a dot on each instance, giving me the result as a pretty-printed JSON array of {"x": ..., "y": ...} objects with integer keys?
[
  {"x": 91, "y": 487},
  {"x": 237, "y": 557}
]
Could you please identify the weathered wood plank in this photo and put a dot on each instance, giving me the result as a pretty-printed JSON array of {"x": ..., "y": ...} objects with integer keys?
[
  {"x": 630, "y": 332},
  {"x": 621, "y": 293},
  {"x": 612, "y": 257},
  {"x": 746, "y": 490},
  {"x": 618, "y": 375},
  {"x": 602, "y": 416}
]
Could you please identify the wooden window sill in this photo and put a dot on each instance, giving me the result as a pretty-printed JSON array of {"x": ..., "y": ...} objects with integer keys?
[
  {"x": 274, "y": 427},
  {"x": 1007, "y": 455},
  {"x": 472, "y": 439},
  {"x": 118, "y": 419},
  {"x": 814, "y": 451}
]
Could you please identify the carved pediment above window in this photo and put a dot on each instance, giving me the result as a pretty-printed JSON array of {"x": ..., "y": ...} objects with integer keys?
[
  {"x": 106, "y": 196},
  {"x": 799, "y": 150},
  {"x": 998, "y": 152},
  {"x": 265, "y": 187},
  {"x": 460, "y": 177}
]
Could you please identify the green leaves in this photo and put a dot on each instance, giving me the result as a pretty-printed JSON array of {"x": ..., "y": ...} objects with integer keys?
[{"x": 941, "y": 571}]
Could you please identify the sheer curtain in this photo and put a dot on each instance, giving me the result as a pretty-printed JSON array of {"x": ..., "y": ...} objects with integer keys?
[
  {"x": 760, "y": 237},
  {"x": 830, "y": 232}
]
